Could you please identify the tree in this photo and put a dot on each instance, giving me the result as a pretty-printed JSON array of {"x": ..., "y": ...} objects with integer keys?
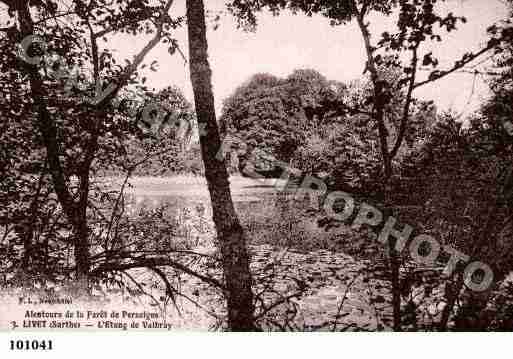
[
  {"x": 72, "y": 145},
  {"x": 416, "y": 25},
  {"x": 268, "y": 113},
  {"x": 160, "y": 123},
  {"x": 230, "y": 234}
]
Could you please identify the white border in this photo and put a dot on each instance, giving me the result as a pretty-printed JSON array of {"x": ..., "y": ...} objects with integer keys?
[{"x": 180, "y": 345}]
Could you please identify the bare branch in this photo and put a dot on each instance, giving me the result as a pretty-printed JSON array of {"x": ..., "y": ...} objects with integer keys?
[
  {"x": 139, "y": 58},
  {"x": 459, "y": 65},
  {"x": 53, "y": 17},
  {"x": 154, "y": 262}
]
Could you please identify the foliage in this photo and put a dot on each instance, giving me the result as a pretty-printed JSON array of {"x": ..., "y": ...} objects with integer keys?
[
  {"x": 267, "y": 112},
  {"x": 62, "y": 127},
  {"x": 158, "y": 136}
]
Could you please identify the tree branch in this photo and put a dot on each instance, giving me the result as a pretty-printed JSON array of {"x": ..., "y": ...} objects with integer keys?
[
  {"x": 139, "y": 58},
  {"x": 459, "y": 64},
  {"x": 154, "y": 262},
  {"x": 408, "y": 100},
  {"x": 379, "y": 107}
]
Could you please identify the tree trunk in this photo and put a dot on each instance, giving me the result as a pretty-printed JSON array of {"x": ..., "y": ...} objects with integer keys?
[
  {"x": 230, "y": 234},
  {"x": 386, "y": 158},
  {"x": 76, "y": 214},
  {"x": 27, "y": 234},
  {"x": 81, "y": 230}
]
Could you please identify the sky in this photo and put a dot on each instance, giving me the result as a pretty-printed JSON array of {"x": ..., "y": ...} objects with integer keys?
[{"x": 288, "y": 42}]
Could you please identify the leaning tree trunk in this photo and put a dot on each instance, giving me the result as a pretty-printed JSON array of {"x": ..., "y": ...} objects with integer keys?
[{"x": 231, "y": 237}]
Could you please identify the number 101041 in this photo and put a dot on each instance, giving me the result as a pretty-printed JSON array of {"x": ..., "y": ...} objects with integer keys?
[{"x": 31, "y": 345}]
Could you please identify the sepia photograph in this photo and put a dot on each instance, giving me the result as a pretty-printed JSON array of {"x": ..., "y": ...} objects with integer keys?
[{"x": 255, "y": 166}]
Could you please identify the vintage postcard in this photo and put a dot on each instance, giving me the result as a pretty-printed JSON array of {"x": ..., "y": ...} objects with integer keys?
[{"x": 255, "y": 166}]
